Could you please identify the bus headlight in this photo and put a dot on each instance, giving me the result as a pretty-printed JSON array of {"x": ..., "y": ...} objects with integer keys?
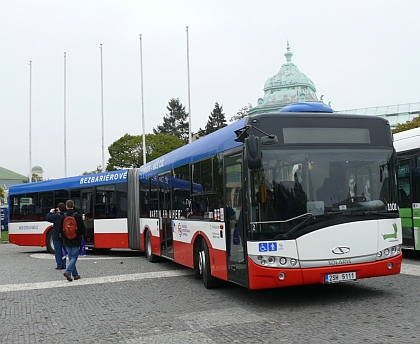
[
  {"x": 275, "y": 262},
  {"x": 388, "y": 252}
]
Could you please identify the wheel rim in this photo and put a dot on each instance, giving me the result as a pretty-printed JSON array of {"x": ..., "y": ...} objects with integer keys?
[
  {"x": 201, "y": 261},
  {"x": 149, "y": 246}
]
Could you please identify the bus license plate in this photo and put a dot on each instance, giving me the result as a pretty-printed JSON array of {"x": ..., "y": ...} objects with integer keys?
[{"x": 343, "y": 277}]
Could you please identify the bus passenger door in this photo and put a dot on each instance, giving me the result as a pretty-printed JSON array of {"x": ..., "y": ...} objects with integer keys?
[
  {"x": 235, "y": 229},
  {"x": 166, "y": 239},
  {"x": 87, "y": 210}
]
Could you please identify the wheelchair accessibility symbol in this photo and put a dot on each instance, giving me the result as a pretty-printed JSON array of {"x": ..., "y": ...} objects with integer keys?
[{"x": 263, "y": 247}]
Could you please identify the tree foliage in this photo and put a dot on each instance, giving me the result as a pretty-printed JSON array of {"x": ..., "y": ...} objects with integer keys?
[
  {"x": 175, "y": 122},
  {"x": 414, "y": 123},
  {"x": 2, "y": 195},
  {"x": 127, "y": 152},
  {"x": 240, "y": 114},
  {"x": 99, "y": 169},
  {"x": 216, "y": 120}
]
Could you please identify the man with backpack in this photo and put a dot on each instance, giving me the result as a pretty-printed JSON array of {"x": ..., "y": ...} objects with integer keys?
[{"x": 71, "y": 229}]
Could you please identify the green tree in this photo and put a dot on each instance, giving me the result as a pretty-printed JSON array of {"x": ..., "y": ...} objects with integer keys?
[
  {"x": 98, "y": 170},
  {"x": 175, "y": 122},
  {"x": 2, "y": 195},
  {"x": 127, "y": 152},
  {"x": 414, "y": 123},
  {"x": 216, "y": 120},
  {"x": 240, "y": 114}
]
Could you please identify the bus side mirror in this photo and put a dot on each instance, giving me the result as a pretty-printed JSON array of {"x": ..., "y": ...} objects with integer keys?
[{"x": 253, "y": 152}]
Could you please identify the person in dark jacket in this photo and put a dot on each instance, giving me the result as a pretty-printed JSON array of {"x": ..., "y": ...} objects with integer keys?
[
  {"x": 54, "y": 216},
  {"x": 72, "y": 246}
]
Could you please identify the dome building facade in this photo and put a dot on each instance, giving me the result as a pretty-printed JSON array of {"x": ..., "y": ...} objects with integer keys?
[{"x": 288, "y": 86}]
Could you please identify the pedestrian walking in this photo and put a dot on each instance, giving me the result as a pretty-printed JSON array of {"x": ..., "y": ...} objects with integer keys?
[{"x": 72, "y": 228}]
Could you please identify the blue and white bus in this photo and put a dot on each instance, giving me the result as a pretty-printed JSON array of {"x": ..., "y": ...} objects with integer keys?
[{"x": 273, "y": 200}]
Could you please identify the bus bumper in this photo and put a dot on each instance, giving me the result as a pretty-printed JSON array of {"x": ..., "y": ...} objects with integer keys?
[{"x": 263, "y": 277}]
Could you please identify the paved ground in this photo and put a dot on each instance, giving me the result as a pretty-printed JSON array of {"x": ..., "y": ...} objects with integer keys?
[{"x": 122, "y": 298}]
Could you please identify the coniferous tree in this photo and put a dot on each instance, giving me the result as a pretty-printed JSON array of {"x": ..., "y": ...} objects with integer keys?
[
  {"x": 175, "y": 123},
  {"x": 216, "y": 120}
]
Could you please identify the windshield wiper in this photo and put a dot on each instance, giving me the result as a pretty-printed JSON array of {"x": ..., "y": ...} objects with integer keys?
[{"x": 307, "y": 216}]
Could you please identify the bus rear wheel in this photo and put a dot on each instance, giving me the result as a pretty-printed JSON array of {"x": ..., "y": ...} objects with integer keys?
[
  {"x": 50, "y": 243},
  {"x": 210, "y": 282},
  {"x": 152, "y": 258}
]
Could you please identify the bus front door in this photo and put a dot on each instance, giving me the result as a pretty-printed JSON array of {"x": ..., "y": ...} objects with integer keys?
[
  {"x": 235, "y": 229},
  {"x": 166, "y": 239},
  {"x": 87, "y": 211}
]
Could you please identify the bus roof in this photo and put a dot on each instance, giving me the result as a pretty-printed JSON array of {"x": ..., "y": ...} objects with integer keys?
[
  {"x": 97, "y": 179},
  {"x": 407, "y": 140},
  {"x": 218, "y": 141}
]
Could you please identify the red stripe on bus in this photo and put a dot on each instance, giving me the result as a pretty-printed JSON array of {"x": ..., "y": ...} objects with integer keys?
[
  {"x": 111, "y": 240},
  {"x": 262, "y": 277},
  {"x": 28, "y": 239}
]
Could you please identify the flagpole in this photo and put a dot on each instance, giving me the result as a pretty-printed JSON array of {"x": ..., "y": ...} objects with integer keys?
[
  {"x": 65, "y": 120},
  {"x": 142, "y": 103},
  {"x": 30, "y": 121},
  {"x": 189, "y": 100},
  {"x": 102, "y": 109}
]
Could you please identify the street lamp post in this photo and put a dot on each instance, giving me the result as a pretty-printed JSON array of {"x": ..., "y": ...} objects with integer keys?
[
  {"x": 30, "y": 122},
  {"x": 102, "y": 109}
]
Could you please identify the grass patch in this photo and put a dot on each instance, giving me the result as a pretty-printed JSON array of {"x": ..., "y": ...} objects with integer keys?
[{"x": 4, "y": 236}]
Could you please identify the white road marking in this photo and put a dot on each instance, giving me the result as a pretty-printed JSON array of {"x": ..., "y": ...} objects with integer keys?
[
  {"x": 94, "y": 280},
  {"x": 410, "y": 269},
  {"x": 406, "y": 269},
  {"x": 87, "y": 257}
]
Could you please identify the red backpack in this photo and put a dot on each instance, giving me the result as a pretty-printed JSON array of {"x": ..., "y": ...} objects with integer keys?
[{"x": 70, "y": 227}]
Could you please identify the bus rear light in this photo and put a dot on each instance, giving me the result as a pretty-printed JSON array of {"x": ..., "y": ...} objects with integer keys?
[{"x": 282, "y": 276}]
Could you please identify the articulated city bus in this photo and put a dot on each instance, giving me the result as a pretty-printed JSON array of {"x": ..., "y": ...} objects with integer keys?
[
  {"x": 407, "y": 145},
  {"x": 286, "y": 199},
  {"x": 107, "y": 201},
  {"x": 273, "y": 200},
  {"x": 101, "y": 198}
]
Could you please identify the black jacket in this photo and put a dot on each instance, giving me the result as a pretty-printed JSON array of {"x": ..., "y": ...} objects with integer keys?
[
  {"x": 81, "y": 229},
  {"x": 55, "y": 218}
]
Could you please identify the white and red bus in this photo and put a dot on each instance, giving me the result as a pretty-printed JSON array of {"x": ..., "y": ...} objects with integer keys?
[{"x": 273, "y": 200}]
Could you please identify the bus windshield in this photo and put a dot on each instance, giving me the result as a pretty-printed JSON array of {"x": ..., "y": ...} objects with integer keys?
[{"x": 295, "y": 189}]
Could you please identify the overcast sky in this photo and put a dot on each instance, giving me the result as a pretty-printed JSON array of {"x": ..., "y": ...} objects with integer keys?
[{"x": 358, "y": 54}]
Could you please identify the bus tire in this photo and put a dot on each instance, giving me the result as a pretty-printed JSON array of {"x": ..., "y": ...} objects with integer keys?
[
  {"x": 152, "y": 258},
  {"x": 198, "y": 259},
  {"x": 50, "y": 243},
  {"x": 210, "y": 282}
]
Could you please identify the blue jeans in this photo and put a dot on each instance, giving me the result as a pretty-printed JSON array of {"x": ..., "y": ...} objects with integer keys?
[
  {"x": 73, "y": 254},
  {"x": 59, "y": 259}
]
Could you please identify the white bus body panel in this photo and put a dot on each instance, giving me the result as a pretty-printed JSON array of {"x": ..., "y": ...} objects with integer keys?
[
  {"x": 184, "y": 231},
  {"x": 110, "y": 226},
  {"x": 363, "y": 240},
  {"x": 35, "y": 227}
]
